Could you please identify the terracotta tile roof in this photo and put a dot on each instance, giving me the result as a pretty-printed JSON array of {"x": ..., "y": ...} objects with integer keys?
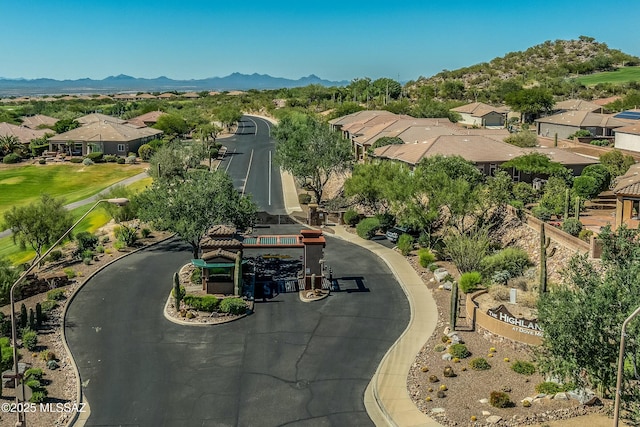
[
  {"x": 577, "y": 105},
  {"x": 629, "y": 183},
  {"x": 167, "y": 95},
  {"x": 479, "y": 109},
  {"x": 23, "y": 133},
  {"x": 147, "y": 119},
  {"x": 475, "y": 148},
  {"x": 584, "y": 118},
  {"x": 38, "y": 120},
  {"x": 97, "y": 117},
  {"x": 106, "y": 131},
  {"x": 219, "y": 253}
]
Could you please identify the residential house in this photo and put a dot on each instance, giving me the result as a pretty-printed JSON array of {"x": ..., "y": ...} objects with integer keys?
[
  {"x": 482, "y": 115},
  {"x": 98, "y": 117},
  {"x": 628, "y": 138},
  {"x": 38, "y": 121},
  {"x": 148, "y": 119},
  {"x": 485, "y": 152},
  {"x": 577, "y": 105},
  {"x": 166, "y": 95},
  {"x": 24, "y": 134},
  {"x": 108, "y": 137},
  {"x": 567, "y": 123},
  {"x": 627, "y": 192}
]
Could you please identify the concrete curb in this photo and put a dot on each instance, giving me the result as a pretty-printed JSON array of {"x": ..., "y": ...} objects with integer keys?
[
  {"x": 80, "y": 418},
  {"x": 185, "y": 323}
]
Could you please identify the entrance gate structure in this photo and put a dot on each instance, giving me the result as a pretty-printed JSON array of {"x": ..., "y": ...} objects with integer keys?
[{"x": 222, "y": 257}]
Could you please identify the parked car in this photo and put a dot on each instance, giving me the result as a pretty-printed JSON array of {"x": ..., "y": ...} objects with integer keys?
[{"x": 394, "y": 233}]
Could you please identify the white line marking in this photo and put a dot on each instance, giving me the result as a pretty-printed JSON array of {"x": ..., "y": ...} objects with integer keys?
[
  {"x": 269, "y": 177},
  {"x": 230, "y": 158},
  {"x": 255, "y": 132},
  {"x": 244, "y": 186}
]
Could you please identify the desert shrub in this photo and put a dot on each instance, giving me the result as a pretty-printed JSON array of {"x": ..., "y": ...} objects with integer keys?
[
  {"x": 105, "y": 239},
  {"x": 549, "y": 387},
  {"x": 426, "y": 257},
  {"x": 30, "y": 339},
  {"x": 524, "y": 368},
  {"x": 500, "y": 277},
  {"x": 131, "y": 160},
  {"x": 467, "y": 250},
  {"x": 585, "y": 234},
  {"x": 524, "y": 192},
  {"x": 55, "y": 295},
  {"x": 512, "y": 260},
  {"x": 11, "y": 158},
  {"x": 33, "y": 374},
  {"x": 42, "y": 161},
  {"x": 405, "y": 244},
  {"x": 110, "y": 158},
  {"x": 87, "y": 162},
  {"x": 304, "y": 198},
  {"x": 145, "y": 152},
  {"x": 433, "y": 267},
  {"x": 586, "y": 186},
  {"x": 120, "y": 161},
  {"x": 38, "y": 396},
  {"x": 76, "y": 160},
  {"x": 439, "y": 348},
  {"x": 55, "y": 255},
  {"x": 100, "y": 249},
  {"x": 119, "y": 245},
  {"x": 459, "y": 350},
  {"x": 351, "y": 217},
  {"x": 572, "y": 226},
  {"x": 145, "y": 232},
  {"x": 208, "y": 303},
  {"x": 499, "y": 399},
  {"x": 542, "y": 213},
  {"x": 469, "y": 281},
  {"x": 127, "y": 235},
  {"x": 95, "y": 156},
  {"x": 85, "y": 241},
  {"x": 6, "y": 353},
  {"x": 70, "y": 272},
  {"x": 600, "y": 142},
  {"x": 367, "y": 228},
  {"x": 581, "y": 133},
  {"x": 48, "y": 305},
  {"x": 600, "y": 173},
  {"x": 86, "y": 261},
  {"x": 46, "y": 355},
  {"x": 233, "y": 306},
  {"x": 528, "y": 299},
  {"x": 196, "y": 276},
  {"x": 499, "y": 292},
  {"x": 479, "y": 364}
]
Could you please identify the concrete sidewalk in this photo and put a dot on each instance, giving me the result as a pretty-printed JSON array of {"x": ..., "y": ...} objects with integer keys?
[{"x": 386, "y": 398}]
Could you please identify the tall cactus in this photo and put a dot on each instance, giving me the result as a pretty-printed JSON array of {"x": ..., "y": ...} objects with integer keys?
[
  {"x": 566, "y": 204},
  {"x": 555, "y": 140},
  {"x": 454, "y": 305},
  {"x": 544, "y": 246},
  {"x": 176, "y": 290},
  {"x": 577, "y": 207}
]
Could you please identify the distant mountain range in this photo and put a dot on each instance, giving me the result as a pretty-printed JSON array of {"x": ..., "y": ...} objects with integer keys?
[{"x": 124, "y": 83}]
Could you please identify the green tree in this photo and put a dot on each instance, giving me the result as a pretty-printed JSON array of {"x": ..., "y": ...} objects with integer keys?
[
  {"x": 370, "y": 184},
  {"x": 310, "y": 151},
  {"x": 582, "y": 318},
  {"x": 8, "y": 275},
  {"x": 171, "y": 161},
  {"x": 386, "y": 140},
  {"x": 191, "y": 206},
  {"x": 10, "y": 144},
  {"x": 522, "y": 139},
  {"x": 530, "y": 102},
  {"x": 38, "y": 224},
  {"x": 65, "y": 125},
  {"x": 229, "y": 115},
  {"x": 537, "y": 164},
  {"x": 172, "y": 125},
  {"x": 616, "y": 163},
  {"x": 122, "y": 213}
]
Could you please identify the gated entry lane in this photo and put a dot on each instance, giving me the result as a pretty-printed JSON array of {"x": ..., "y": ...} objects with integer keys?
[{"x": 288, "y": 363}]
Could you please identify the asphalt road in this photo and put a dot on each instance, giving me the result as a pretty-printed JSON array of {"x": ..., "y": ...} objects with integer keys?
[{"x": 289, "y": 363}]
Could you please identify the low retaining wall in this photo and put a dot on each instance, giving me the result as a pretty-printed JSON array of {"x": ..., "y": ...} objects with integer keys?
[{"x": 510, "y": 329}]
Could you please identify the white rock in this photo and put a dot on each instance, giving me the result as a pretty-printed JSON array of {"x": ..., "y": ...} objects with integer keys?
[
  {"x": 486, "y": 413},
  {"x": 494, "y": 419},
  {"x": 437, "y": 410},
  {"x": 447, "y": 356},
  {"x": 440, "y": 273},
  {"x": 483, "y": 400},
  {"x": 560, "y": 396}
]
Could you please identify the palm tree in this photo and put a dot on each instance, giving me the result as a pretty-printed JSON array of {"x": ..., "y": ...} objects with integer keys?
[{"x": 10, "y": 144}]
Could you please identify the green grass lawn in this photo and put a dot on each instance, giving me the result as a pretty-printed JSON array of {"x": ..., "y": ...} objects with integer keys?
[
  {"x": 22, "y": 185},
  {"x": 622, "y": 75}
]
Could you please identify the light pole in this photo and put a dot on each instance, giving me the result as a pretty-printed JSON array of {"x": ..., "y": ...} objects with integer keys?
[
  {"x": 623, "y": 334},
  {"x": 21, "y": 421}
]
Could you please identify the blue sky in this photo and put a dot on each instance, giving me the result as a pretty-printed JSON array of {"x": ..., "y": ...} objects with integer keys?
[{"x": 336, "y": 40}]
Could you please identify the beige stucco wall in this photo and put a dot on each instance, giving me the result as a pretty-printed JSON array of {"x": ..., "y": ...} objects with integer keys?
[{"x": 625, "y": 141}]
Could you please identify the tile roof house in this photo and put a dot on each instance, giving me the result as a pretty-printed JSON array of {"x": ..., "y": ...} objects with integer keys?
[
  {"x": 627, "y": 192},
  {"x": 628, "y": 137},
  {"x": 481, "y": 114},
  {"x": 98, "y": 117},
  {"x": 604, "y": 101},
  {"x": 108, "y": 137},
  {"x": 24, "y": 134},
  {"x": 569, "y": 122},
  {"x": 485, "y": 152},
  {"x": 577, "y": 105},
  {"x": 148, "y": 119},
  {"x": 38, "y": 120}
]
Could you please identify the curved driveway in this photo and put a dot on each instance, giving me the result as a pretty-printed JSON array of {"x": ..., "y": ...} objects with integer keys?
[{"x": 289, "y": 363}]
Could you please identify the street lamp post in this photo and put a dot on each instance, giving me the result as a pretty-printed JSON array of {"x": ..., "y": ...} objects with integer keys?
[
  {"x": 21, "y": 421},
  {"x": 623, "y": 334}
]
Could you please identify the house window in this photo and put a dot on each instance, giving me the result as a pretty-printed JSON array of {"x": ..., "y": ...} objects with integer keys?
[
  {"x": 480, "y": 168},
  {"x": 515, "y": 174},
  {"x": 492, "y": 169},
  {"x": 121, "y": 148}
]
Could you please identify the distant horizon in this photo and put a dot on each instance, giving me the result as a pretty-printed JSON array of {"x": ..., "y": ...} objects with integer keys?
[{"x": 340, "y": 41}]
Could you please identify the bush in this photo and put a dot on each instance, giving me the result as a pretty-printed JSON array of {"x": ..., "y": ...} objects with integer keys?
[
  {"x": 304, "y": 198},
  {"x": 459, "y": 350},
  {"x": 119, "y": 245},
  {"x": 499, "y": 292},
  {"x": 600, "y": 142},
  {"x": 96, "y": 156},
  {"x": 100, "y": 249},
  {"x": 549, "y": 387},
  {"x": 11, "y": 158},
  {"x": 467, "y": 250},
  {"x": 196, "y": 276},
  {"x": 127, "y": 235},
  {"x": 469, "y": 281},
  {"x": 386, "y": 221},
  {"x": 55, "y": 255},
  {"x": 600, "y": 173},
  {"x": 30, "y": 339},
  {"x": 87, "y": 162},
  {"x": 524, "y": 192},
  {"x": 145, "y": 232},
  {"x": 76, "y": 160},
  {"x": 55, "y": 295},
  {"x": 479, "y": 364},
  {"x": 85, "y": 241},
  {"x": 351, "y": 217},
  {"x": 183, "y": 292},
  {"x": 233, "y": 306},
  {"x": 405, "y": 244},
  {"x": 42, "y": 161},
  {"x": 500, "y": 399},
  {"x": 38, "y": 396},
  {"x": 368, "y": 227},
  {"x": 524, "y": 368},
  {"x": 110, "y": 158},
  {"x": 7, "y": 356},
  {"x": 572, "y": 226},
  {"x": 208, "y": 303},
  {"x": 426, "y": 257},
  {"x": 48, "y": 305},
  {"x": 586, "y": 186},
  {"x": 512, "y": 260},
  {"x": 33, "y": 374},
  {"x": 131, "y": 160},
  {"x": 145, "y": 152},
  {"x": 542, "y": 213},
  {"x": 585, "y": 234}
]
